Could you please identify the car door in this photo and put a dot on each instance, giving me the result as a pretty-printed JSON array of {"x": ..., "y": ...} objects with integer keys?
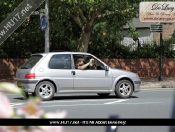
[
  {"x": 92, "y": 79},
  {"x": 60, "y": 70}
]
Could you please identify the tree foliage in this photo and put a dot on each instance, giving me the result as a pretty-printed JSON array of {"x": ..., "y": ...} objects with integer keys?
[
  {"x": 88, "y": 13},
  {"x": 88, "y": 25}
]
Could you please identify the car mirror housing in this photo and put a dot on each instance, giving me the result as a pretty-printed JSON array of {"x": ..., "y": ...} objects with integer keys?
[{"x": 106, "y": 68}]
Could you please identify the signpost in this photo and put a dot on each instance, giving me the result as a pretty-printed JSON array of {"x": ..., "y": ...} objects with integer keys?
[
  {"x": 158, "y": 28},
  {"x": 47, "y": 45},
  {"x": 43, "y": 22}
]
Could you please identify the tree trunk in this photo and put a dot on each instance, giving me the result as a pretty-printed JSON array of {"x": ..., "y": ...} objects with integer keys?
[{"x": 84, "y": 39}]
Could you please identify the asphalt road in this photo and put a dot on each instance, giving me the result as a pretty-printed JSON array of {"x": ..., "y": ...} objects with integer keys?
[{"x": 149, "y": 103}]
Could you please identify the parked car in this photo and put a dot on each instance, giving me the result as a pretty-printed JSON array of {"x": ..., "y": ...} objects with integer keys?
[{"x": 47, "y": 74}]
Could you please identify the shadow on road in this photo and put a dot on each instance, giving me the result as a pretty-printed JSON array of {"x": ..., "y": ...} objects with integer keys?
[{"x": 74, "y": 97}]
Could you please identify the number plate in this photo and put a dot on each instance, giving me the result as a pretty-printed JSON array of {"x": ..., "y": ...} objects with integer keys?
[{"x": 18, "y": 83}]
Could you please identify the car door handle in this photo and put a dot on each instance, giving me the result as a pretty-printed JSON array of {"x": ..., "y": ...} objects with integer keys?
[{"x": 73, "y": 72}]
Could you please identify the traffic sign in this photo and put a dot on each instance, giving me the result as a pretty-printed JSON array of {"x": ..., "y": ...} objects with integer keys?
[
  {"x": 43, "y": 22},
  {"x": 156, "y": 28}
]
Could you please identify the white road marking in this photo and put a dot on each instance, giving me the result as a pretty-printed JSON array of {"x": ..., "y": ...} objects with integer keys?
[
  {"x": 78, "y": 100},
  {"x": 14, "y": 104},
  {"x": 50, "y": 102},
  {"x": 118, "y": 101},
  {"x": 66, "y": 101},
  {"x": 71, "y": 105},
  {"x": 145, "y": 103},
  {"x": 66, "y": 105},
  {"x": 98, "y": 104}
]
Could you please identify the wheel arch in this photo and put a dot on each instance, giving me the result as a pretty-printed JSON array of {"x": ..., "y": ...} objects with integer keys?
[
  {"x": 124, "y": 93},
  {"x": 51, "y": 81},
  {"x": 123, "y": 78}
]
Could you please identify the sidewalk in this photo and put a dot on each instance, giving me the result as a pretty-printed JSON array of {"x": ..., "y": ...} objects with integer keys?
[{"x": 168, "y": 82}]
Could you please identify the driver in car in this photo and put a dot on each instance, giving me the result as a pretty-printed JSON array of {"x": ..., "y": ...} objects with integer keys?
[{"x": 81, "y": 65}]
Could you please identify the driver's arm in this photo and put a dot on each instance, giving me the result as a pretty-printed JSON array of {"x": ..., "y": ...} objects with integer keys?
[{"x": 85, "y": 65}]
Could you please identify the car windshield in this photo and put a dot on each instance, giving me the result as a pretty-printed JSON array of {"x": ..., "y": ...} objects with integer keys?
[
  {"x": 104, "y": 62},
  {"x": 31, "y": 62}
]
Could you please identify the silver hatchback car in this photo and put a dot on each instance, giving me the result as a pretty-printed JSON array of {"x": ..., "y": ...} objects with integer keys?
[{"x": 47, "y": 74}]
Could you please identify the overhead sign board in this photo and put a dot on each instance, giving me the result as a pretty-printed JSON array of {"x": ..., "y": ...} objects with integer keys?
[
  {"x": 156, "y": 28},
  {"x": 157, "y": 11}
]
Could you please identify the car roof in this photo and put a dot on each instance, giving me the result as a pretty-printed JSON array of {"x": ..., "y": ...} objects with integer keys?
[{"x": 65, "y": 52}]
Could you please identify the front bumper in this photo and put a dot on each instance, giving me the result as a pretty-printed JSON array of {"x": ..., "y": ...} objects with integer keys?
[{"x": 137, "y": 85}]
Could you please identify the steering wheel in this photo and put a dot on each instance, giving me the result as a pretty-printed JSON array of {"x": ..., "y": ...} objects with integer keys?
[{"x": 93, "y": 66}]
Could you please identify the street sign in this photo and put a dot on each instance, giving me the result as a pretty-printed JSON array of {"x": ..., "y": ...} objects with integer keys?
[
  {"x": 43, "y": 22},
  {"x": 156, "y": 28}
]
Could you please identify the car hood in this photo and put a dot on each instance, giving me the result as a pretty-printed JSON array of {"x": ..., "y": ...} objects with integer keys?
[{"x": 124, "y": 73}]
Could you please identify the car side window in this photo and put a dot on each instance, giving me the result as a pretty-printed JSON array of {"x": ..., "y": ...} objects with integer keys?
[
  {"x": 96, "y": 65},
  {"x": 60, "y": 61}
]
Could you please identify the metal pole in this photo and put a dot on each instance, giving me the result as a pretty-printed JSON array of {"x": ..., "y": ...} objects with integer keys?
[
  {"x": 47, "y": 28},
  {"x": 160, "y": 60},
  {"x": 138, "y": 44}
]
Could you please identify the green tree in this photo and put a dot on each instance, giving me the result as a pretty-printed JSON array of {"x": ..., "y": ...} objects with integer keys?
[
  {"x": 87, "y": 13},
  {"x": 71, "y": 21},
  {"x": 29, "y": 38}
]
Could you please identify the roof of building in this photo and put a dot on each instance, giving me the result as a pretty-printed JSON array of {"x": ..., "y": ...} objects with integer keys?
[{"x": 138, "y": 24}]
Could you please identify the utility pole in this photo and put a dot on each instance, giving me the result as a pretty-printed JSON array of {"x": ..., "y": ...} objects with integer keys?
[
  {"x": 47, "y": 45},
  {"x": 160, "y": 60}
]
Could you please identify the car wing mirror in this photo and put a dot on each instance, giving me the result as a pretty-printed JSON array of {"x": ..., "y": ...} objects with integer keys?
[{"x": 106, "y": 68}]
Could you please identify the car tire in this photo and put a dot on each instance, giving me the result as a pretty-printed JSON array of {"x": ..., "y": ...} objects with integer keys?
[
  {"x": 103, "y": 94},
  {"x": 45, "y": 90},
  {"x": 124, "y": 89}
]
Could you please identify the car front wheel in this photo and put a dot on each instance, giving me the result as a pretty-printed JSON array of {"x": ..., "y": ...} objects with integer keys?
[
  {"x": 45, "y": 90},
  {"x": 124, "y": 89}
]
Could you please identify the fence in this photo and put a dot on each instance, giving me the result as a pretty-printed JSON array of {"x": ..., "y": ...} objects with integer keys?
[
  {"x": 141, "y": 58},
  {"x": 143, "y": 67},
  {"x": 127, "y": 49},
  {"x": 136, "y": 45}
]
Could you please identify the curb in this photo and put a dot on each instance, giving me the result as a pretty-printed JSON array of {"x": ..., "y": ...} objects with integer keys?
[
  {"x": 160, "y": 86},
  {"x": 155, "y": 84},
  {"x": 146, "y": 87}
]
